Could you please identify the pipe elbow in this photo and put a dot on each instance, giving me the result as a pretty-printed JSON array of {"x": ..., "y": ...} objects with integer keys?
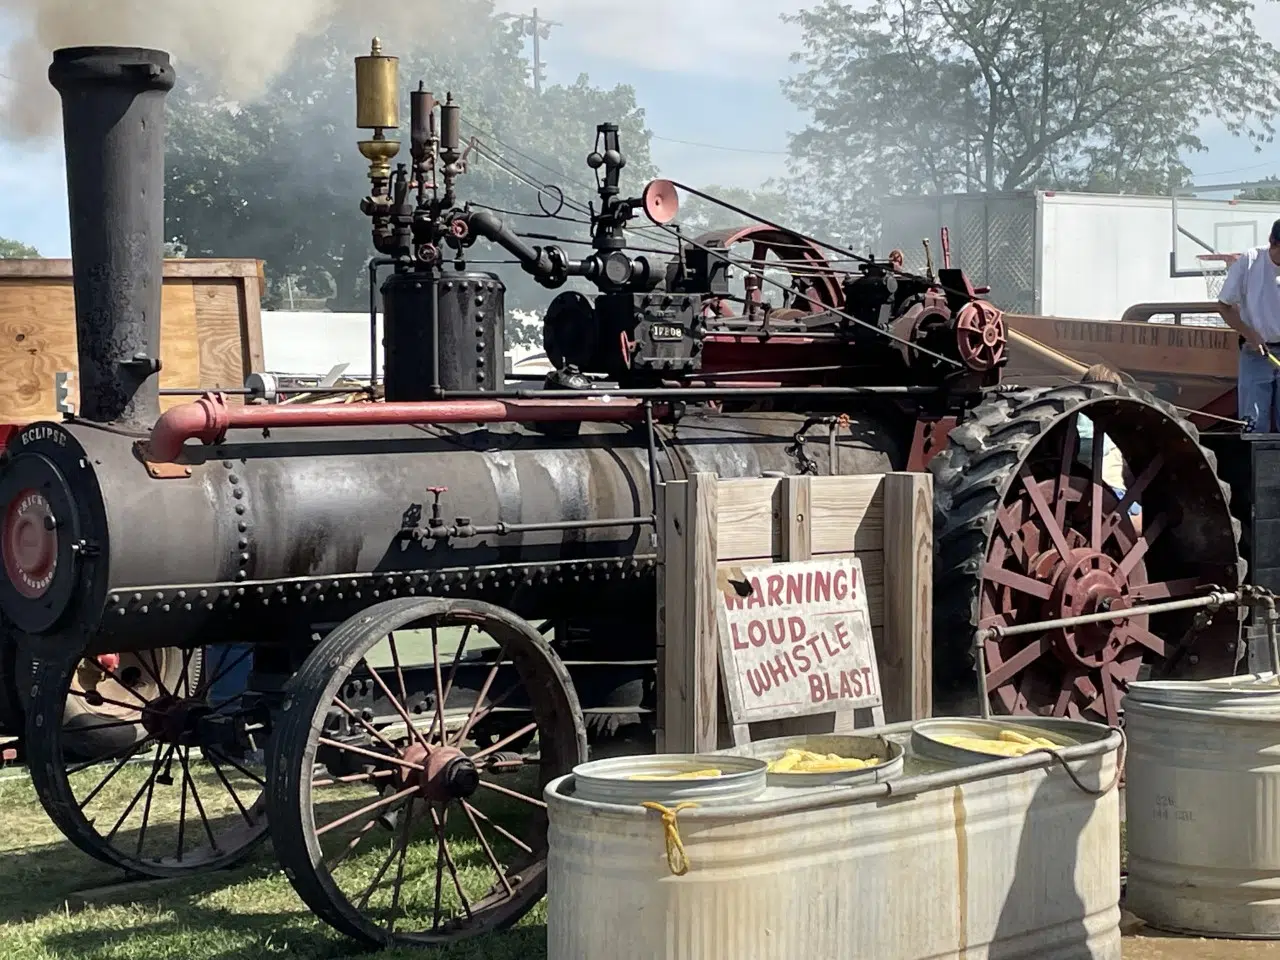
[{"x": 206, "y": 420}]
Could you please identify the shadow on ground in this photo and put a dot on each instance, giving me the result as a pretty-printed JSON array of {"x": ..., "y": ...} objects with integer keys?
[{"x": 247, "y": 912}]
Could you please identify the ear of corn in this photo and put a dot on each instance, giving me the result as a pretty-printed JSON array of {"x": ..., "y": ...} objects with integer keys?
[
  {"x": 1009, "y": 743},
  {"x": 806, "y": 761},
  {"x": 691, "y": 775}
]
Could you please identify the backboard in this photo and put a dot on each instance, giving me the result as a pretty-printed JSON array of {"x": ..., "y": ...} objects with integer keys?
[{"x": 1208, "y": 219}]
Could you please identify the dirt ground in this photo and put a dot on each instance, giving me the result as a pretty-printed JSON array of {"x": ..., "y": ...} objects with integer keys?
[
  {"x": 1150, "y": 945},
  {"x": 1143, "y": 943}
]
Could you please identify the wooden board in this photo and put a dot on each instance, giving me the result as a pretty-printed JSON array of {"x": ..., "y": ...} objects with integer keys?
[
  {"x": 211, "y": 330},
  {"x": 884, "y": 520}
]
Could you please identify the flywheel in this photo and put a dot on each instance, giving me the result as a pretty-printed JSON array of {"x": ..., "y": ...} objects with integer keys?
[{"x": 1028, "y": 530}]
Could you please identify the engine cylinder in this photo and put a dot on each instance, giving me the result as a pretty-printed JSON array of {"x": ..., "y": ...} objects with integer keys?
[
  {"x": 466, "y": 354},
  {"x": 113, "y": 132}
]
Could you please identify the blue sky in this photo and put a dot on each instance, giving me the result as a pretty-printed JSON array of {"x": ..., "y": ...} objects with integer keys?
[{"x": 707, "y": 71}]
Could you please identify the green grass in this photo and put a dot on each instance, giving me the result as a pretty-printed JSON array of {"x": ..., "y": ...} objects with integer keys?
[{"x": 251, "y": 911}]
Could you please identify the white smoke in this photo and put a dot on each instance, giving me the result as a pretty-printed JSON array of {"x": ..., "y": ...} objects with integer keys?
[{"x": 242, "y": 44}]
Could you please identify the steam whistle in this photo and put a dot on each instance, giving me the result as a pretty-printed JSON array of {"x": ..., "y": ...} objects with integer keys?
[
  {"x": 377, "y": 109},
  {"x": 423, "y": 139}
]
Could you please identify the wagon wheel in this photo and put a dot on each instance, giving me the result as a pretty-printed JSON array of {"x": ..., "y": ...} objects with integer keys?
[
  {"x": 172, "y": 787},
  {"x": 392, "y": 824},
  {"x": 1026, "y": 533}
]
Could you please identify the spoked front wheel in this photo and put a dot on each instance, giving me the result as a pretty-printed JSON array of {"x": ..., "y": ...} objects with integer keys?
[
  {"x": 141, "y": 766},
  {"x": 408, "y": 769}
]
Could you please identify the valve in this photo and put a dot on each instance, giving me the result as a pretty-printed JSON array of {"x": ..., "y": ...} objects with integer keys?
[{"x": 436, "y": 521}]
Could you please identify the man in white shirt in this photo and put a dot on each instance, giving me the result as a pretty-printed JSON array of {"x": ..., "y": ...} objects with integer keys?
[{"x": 1250, "y": 303}]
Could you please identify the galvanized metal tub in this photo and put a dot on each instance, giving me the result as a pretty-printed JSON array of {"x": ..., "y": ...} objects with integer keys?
[
  {"x": 609, "y": 781},
  {"x": 1203, "y": 806},
  {"x": 1008, "y": 859},
  {"x": 1058, "y": 729},
  {"x": 889, "y": 753}
]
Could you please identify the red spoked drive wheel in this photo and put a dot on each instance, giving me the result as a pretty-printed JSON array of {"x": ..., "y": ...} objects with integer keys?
[{"x": 1027, "y": 531}]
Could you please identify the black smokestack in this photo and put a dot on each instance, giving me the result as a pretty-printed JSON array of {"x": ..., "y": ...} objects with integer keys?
[{"x": 113, "y": 130}]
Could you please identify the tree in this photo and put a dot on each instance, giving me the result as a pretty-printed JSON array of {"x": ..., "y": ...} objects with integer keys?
[
  {"x": 280, "y": 178},
  {"x": 1267, "y": 194},
  {"x": 938, "y": 96},
  {"x": 700, "y": 216},
  {"x": 16, "y": 250}
]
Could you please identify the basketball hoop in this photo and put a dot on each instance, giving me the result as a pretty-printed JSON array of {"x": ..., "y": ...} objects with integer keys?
[{"x": 1214, "y": 267}]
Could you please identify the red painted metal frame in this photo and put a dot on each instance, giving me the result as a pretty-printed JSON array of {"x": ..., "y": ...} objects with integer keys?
[{"x": 209, "y": 418}]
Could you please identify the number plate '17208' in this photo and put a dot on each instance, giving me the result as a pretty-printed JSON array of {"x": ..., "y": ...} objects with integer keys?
[{"x": 666, "y": 332}]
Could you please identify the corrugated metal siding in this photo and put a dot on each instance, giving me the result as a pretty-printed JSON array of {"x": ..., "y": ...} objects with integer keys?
[
  {"x": 1203, "y": 799},
  {"x": 1086, "y": 256},
  {"x": 1019, "y": 866}
]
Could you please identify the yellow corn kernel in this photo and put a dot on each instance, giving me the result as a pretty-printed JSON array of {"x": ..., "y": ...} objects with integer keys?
[
  {"x": 785, "y": 762},
  {"x": 692, "y": 775},
  {"x": 1013, "y": 736}
]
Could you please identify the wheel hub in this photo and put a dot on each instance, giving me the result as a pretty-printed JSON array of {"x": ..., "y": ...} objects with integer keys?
[
  {"x": 30, "y": 543},
  {"x": 1090, "y": 582},
  {"x": 447, "y": 773},
  {"x": 172, "y": 720}
]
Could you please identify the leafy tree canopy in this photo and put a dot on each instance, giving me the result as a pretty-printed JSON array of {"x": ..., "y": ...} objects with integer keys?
[
  {"x": 939, "y": 96},
  {"x": 700, "y": 216},
  {"x": 281, "y": 179},
  {"x": 14, "y": 250},
  {"x": 1267, "y": 193}
]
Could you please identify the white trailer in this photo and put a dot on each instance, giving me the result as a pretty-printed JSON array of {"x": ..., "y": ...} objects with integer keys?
[{"x": 1080, "y": 255}]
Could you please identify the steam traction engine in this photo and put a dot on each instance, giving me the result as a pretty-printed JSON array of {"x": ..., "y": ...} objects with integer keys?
[{"x": 448, "y": 590}]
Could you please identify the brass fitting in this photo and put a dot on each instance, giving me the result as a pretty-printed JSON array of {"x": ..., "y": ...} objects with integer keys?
[{"x": 377, "y": 90}]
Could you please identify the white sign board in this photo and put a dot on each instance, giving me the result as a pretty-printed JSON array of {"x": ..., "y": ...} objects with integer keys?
[{"x": 795, "y": 639}]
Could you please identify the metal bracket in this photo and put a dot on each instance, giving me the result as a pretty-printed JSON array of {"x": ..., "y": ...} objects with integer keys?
[
  {"x": 160, "y": 471},
  {"x": 62, "y": 392}
]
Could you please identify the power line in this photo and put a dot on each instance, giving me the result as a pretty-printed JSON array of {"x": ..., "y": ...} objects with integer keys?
[{"x": 716, "y": 146}]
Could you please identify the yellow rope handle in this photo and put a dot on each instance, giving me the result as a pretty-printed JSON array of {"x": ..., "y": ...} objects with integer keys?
[{"x": 677, "y": 859}]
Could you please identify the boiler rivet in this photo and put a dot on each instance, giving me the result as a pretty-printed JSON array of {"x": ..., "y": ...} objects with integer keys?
[
  {"x": 243, "y": 543},
  {"x": 239, "y": 506},
  {"x": 244, "y": 558},
  {"x": 242, "y": 526},
  {"x": 143, "y": 609},
  {"x": 233, "y": 478},
  {"x": 242, "y": 575},
  {"x": 137, "y": 597},
  {"x": 237, "y": 493}
]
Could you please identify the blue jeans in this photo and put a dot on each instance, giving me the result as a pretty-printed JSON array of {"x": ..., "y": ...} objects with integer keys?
[{"x": 1256, "y": 388}]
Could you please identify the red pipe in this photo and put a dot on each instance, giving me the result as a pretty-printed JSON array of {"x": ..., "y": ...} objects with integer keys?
[{"x": 209, "y": 418}]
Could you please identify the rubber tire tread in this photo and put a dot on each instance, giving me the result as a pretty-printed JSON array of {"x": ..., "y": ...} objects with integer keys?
[
  {"x": 344, "y": 647},
  {"x": 971, "y": 477}
]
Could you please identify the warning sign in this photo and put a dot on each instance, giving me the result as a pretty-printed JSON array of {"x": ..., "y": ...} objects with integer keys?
[{"x": 795, "y": 639}]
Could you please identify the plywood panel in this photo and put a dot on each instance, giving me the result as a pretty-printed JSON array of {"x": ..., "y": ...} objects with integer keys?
[
  {"x": 37, "y": 339},
  {"x": 848, "y": 514},
  {"x": 183, "y": 269},
  {"x": 179, "y": 350},
  {"x": 210, "y": 330},
  {"x": 221, "y": 338}
]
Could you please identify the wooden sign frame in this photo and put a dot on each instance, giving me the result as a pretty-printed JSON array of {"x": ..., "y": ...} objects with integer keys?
[
  {"x": 705, "y": 523},
  {"x": 850, "y": 629}
]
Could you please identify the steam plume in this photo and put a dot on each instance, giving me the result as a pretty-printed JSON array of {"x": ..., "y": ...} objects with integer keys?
[{"x": 242, "y": 44}]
